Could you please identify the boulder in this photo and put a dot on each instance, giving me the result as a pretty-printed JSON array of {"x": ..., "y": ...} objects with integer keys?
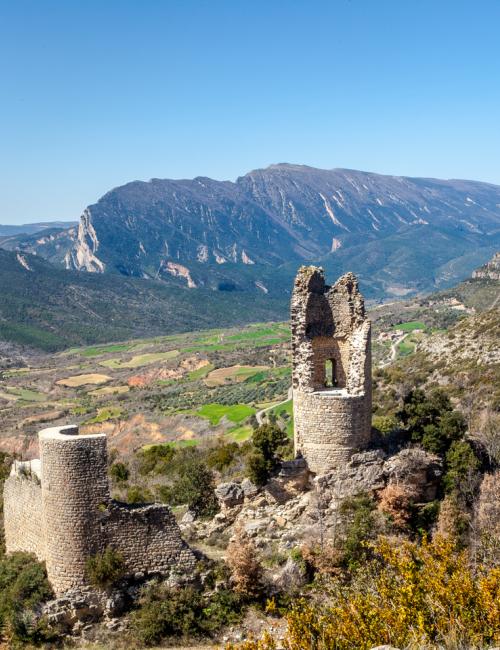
[
  {"x": 363, "y": 473},
  {"x": 417, "y": 469},
  {"x": 250, "y": 490},
  {"x": 294, "y": 474},
  {"x": 289, "y": 578},
  {"x": 229, "y": 494}
]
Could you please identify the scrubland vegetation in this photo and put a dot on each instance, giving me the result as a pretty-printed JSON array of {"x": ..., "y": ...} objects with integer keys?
[{"x": 401, "y": 571}]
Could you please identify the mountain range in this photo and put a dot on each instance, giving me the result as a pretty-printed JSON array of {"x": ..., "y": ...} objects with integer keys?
[
  {"x": 400, "y": 235},
  {"x": 164, "y": 256}
]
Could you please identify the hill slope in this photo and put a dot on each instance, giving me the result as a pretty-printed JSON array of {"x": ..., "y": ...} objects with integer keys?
[
  {"x": 401, "y": 235},
  {"x": 51, "y": 308}
]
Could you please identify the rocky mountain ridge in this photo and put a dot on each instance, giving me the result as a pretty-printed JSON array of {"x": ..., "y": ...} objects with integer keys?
[
  {"x": 400, "y": 235},
  {"x": 490, "y": 270}
]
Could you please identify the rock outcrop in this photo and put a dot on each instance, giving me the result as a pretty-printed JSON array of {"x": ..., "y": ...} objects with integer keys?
[{"x": 490, "y": 270}]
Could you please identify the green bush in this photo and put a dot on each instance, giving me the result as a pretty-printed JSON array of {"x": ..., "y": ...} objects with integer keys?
[
  {"x": 23, "y": 586},
  {"x": 267, "y": 441},
  {"x": 359, "y": 511},
  {"x": 431, "y": 420},
  {"x": 119, "y": 472},
  {"x": 462, "y": 468},
  {"x": 223, "y": 456},
  {"x": 257, "y": 468},
  {"x": 104, "y": 569},
  {"x": 193, "y": 484},
  {"x": 172, "y": 612},
  {"x": 137, "y": 494},
  {"x": 155, "y": 459}
]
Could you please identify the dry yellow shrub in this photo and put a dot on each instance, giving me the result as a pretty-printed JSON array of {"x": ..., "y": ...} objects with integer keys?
[{"x": 424, "y": 595}]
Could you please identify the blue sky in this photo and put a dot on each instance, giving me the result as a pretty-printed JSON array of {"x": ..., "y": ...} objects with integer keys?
[{"x": 100, "y": 92}]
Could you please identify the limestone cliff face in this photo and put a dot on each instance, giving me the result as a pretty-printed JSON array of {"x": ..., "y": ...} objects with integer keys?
[
  {"x": 397, "y": 234},
  {"x": 490, "y": 270},
  {"x": 82, "y": 255}
]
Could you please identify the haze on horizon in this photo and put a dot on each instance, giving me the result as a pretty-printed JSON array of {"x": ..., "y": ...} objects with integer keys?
[{"x": 97, "y": 94}]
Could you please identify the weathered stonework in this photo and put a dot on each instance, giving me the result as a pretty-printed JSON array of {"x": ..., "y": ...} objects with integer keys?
[
  {"x": 331, "y": 356},
  {"x": 63, "y": 513}
]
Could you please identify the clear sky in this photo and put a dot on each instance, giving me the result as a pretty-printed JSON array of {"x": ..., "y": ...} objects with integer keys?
[{"x": 95, "y": 93}]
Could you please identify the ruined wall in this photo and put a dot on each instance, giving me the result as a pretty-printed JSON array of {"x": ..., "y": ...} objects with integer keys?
[
  {"x": 23, "y": 514},
  {"x": 64, "y": 514},
  {"x": 329, "y": 325},
  {"x": 148, "y": 537}
]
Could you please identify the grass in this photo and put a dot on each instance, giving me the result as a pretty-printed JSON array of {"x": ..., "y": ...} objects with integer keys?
[
  {"x": 82, "y": 380},
  {"x": 194, "y": 375},
  {"x": 410, "y": 326},
  {"x": 27, "y": 395},
  {"x": 190, "y": 442},
  {"x": 139, "y": 360},
  {"x": 405, "y": 348},
  {"x": 237, "y": 373},
  {"x": 235, "y": 413},
  {"x": 110, "y": 390},
  {"x": 99, "y": 350},
  {"x": 240, "y": 433},
  {"x": 105, "y": 414}
]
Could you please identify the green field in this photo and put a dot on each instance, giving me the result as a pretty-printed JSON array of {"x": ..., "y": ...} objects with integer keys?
[
  {"x": 410, "y": 326},
  {"x": 97, "y": 351},
  {"x": 139, "y": 360},
  {"x": 240, "y": 434},
  {"x": 105, "y": 414},
  {"x": 234, "y": 413},
  {"x": 26, "y": 394},
  {"x": 194, "y": 375}
]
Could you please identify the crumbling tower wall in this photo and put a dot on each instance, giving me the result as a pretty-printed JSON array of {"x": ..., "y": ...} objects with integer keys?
[
  {"x": 75, "y": 490},
  {"x": 331, "y": 378},
  {"x": 59, "y": 508}
]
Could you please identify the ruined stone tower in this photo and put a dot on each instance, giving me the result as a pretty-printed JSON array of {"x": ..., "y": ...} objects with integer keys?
[
  {"x": 331, "y": 378},
  {"x": 60, "y": 509}
]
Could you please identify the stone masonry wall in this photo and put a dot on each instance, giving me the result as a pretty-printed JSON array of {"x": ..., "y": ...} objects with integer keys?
[
  {"x": 23, "y": 515},
  {"x": 74, "y": 488},
  {"x": 329, "y": 323},
  {"x": 70, "y": 515},
  {"x": 330, "y": 429},
  {"x": 148, "y": 537}
]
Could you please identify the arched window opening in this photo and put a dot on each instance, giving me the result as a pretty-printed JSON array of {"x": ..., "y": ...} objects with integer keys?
[{"x": 330, "y": 374}]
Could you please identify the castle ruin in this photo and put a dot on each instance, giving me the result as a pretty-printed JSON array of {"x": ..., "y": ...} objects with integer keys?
[
  {"x": 331, "y": 369},
  {"x": 59, "y": 508}
]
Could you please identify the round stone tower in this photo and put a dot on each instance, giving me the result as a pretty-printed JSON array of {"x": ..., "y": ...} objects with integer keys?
[
  {"x": 74, "y": 491},
  {"x": 331, "y": 379}
]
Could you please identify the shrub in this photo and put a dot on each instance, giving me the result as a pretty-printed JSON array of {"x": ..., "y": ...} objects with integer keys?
[
  {"x": 156, "y": 459},
  {"x": 462, "y": 466},
  {"x": 104, "y": 569},
  {"x": 119, "y": 472},
  {"x": 431, "y": 420},
  {"x": 137, "y": 494},
  {"x": 257, "y": 468},
  {"x": 323, "y": 559},
  {"x": 267, "y": 440},
  {"x": 193, "y": 486},
  {"x": 360, "y": 528},
  {"x": 223, "y": 456},
  {"x": 396, "y": 500},
  {"x": 386, "y": 424},
  {"x": 23, "y": 586},
  {"x": 246, "y": 570},
  {"x": 174, "y": 612},
  {"x": 410, "y": 595}
]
